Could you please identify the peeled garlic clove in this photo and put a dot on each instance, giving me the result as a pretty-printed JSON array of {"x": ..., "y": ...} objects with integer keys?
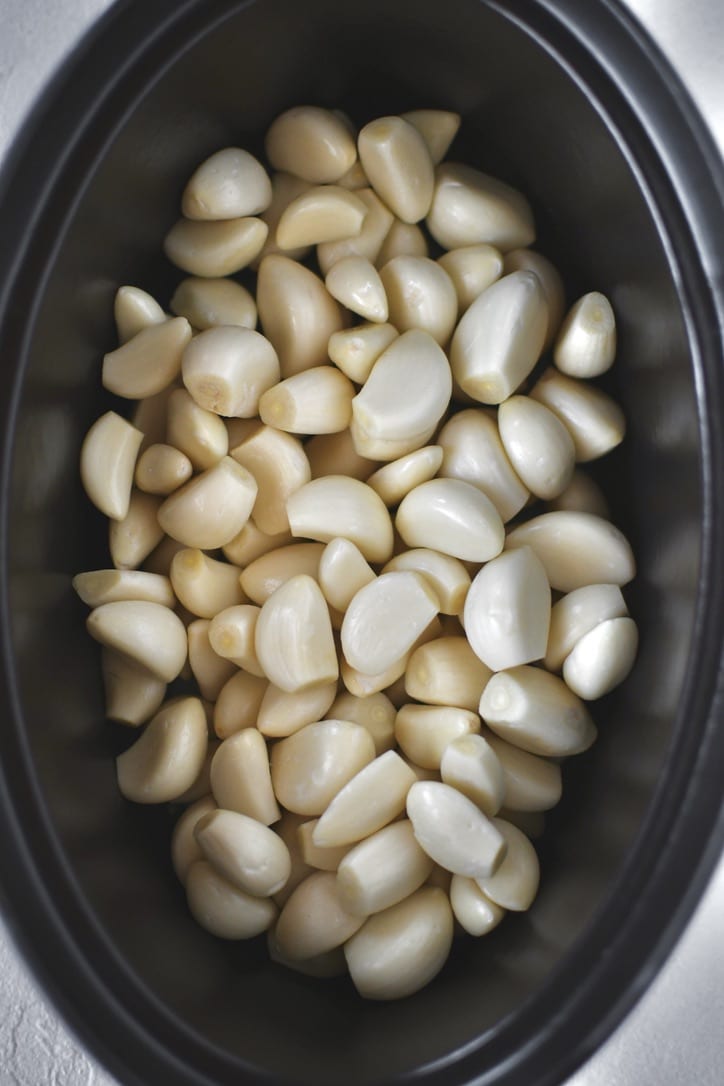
[
  {"x": 184, "y": 849},
  {"x": 214, "y": 249},
  {"x": 595, "y": 422},
  {"x": 323, "y": 213},
  {"x": 339, "y": 506},
  {"x": 270, "y": 571},
  {"x": 499, "y": 339},
  {"x": 313, "y": 920},
  {"x": 227, "y": 369},
  {"x": 470, "y": 765},
  {"x": 320, "y": 856},
  {"x": 149, "y": 416},
  {"x": 161, "y": 469},
  {"x": 355, "y": 178},
  {"x": 109, "y": 585},
  {"x": 382, "y": 870},
  {"x": 397, "y": 478},
  {"x": 210, "y": 671},
  {"x": 424, "y": 731},
  {"x": 355, "y": 282},
  {"x": 453, "y": 517},
  {"x": 474, "y": 453},
  {"x": 469, "y": 207},
  {"x": 397, "y": 162},
  {"x": 297, "y": 313},
  {"x": 133, "y": 693},
  {"x": 231, "y": 635},
  {"x": 335, "y": 454},
  {"x": 447, "y": 576},
  {"x": 209, "y": 302},
  {"x": 472, "y": 270},
  {"x": 355, "y": 350},
  {"x": 550, "y": 280},
  {"x": 343, "y": 571},
  {"x": 438, "y": 128},
  {"x": 279, "y": 464},
  {"x": 446, "y": 672},
  {"x": 212, "y": 508},
  {"x": 310, "y": 767},
  {"x": 230, "y": 184},
  {"x": 536, "y": 711},
  {"x": 168, "y": 756},
  {"x": 384, "y": 411},
  {"x": 251, "y": 542},
  {"x": 420, "y": 295},
  {"x": 148, "y": 633},
  {"x": 515, "y": 883},
  {"x": 530, "y": 783},
  {"x": 149, "y": 362},
  {"x": 132, "y": 539},
  {"x": 474, "y": 910},
  {"x": 376, "y": 713},
  {"x": 366, "y": 242},
  {"x": 317, "y": 401},
  {"x": 372, "y": 798},
  {"x": 453, "y": 831},
  {"x": 204, "y": 585},
  {"x": 294, "y": 642},
  {"x": 400, "y": 950},
  {"x": 133, "y": 310},
  {"x": 237, "y": 705},
  {"x": 222, "y": 908},
  {"x": 107, "y": 463},
  {"x": 576, "y": 549},
  {"x": 582, "y": 495},
  {"x": 285, "y": 188},
  {"x": 576, "y": 614},
  {"x": 240, "y": 777},
  {"x": 311, "y": 143},
  {"x": 602, "y": 658},
  {"x": 538, "y": 445},
  {"x": 385, "y": 618},
  {"x": 281, "y": 714},
  {"x": 402, "y": 239},
  {"x": 246, "y": 852},
  {"x": 198, "y": 433},
  {"x": 586, "y": 342}
]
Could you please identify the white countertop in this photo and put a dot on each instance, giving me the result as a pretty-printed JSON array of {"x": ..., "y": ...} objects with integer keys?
[{"x": 674, "y": 1036}]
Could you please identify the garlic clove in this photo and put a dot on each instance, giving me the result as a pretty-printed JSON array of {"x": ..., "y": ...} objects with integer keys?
[
  {"x": 107, "y": 463},
  {"x": 230, "y": 184}
]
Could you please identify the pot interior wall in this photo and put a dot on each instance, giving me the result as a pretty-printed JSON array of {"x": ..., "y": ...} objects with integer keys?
[{"x": 525, "y": 119}]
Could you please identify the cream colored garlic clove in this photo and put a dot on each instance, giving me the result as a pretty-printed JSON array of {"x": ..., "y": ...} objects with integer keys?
[
  {"x": 499, "y": 339},
  {"x": 576, "y": 614},
  {"x": 285, "y": 188},
  {"x": 602, "y": 658},
  {"x": 168, "y": 756},
  {"x": 343, "y": 571},
  {"x": 586, "y": 343},
  {"x": 595, "y": 422},
  {"x": 322, "y": 213},
  {"x": 207, "y": 303},
  {"x": 279, "y": 464},
  {"x": 472, "y": 270},
  {"x": 355, "y": 282},
  {"x": 355, "y": 178},
  {"x": 238, "y": 703},
  {"x": 160, "y": 559},
  {"x": 530, "y": 783},
  {"x": 133, "y": 693},
  {"x": 150, "y": 634},
  {"x": 212, "y": 508},
  {"x": 382, "y": 870},
  {"x": 538, "y": 445},
  {"x": 424, "y": 731},
  {"x": 470, "y": 765},
  {"x": 355, "y": 350},
  {"x": 110, "y": 585},
  {"x": 474, "y": 453},
  {"x": 107, "y": 463},
  {"x": 198, "y": 433},
  {"x": 281, "y": 714},
  {"x": 201, "y": 786},
  {"x": 469, "y": 207},
  {"x": 294, "y": 642},
  {"x": 131, "y": 540},
  {"x": 372, "y": 798},
  {"x": 161, "y": 469},
  {"x": 311, "y": 143},
  {"x": 446, "y": 672},
  {"x": 240, "y": 777},
  {"x": 550, "y": 280},
  {"x": 319, "y": 856},
  {"x": 582, "y": 495},
  {"x": 222, "y": 908},
  {"x": 313, "y": 921},
  {"x": 438, "y": 128},
  {"x": 204, "y": 585},
  {"x": 149, "y": 416},
  {"x": 376, "y": 713},
  {"x": 214, "y": 249},
  {"x": 453, "y": 831},
  {"x": 149, "y": 362},
  {"x": 335, "y": 454},
  {"x": 231, "y": 635},
  {"x": 536, "y": 711},
  {"x": 515, "y": 883},
  {"x": 246, "y": 852},
  {"x": 251, "y": 542},
  {"x": 367, "y": 242},
  {"x": 400, "y": 950},
  {"x": 230, "y": 184},
  {"x": 474, "y": 911},
  {"x": 297, "y": 313},
  {"x": 336, "y": 505},
  {"x": 420, "y": 295},
  {"x": 227, "y": 369},
  {"x": 385, "y": 618},
  {"x": 210, "y": 671},
  {"x": 270, "y": 571},
  {"x": 453, "y": 517},
  {"x": 402, "y": 239},
  {"x": 311, "y": 766},
  {"x": 133, "y": 310},
  {"x": 184, "y": 848},
  {"x": 447, "y": 576},
  {"x": 384, "y": 411},
  {"x": 398, "y": 164},
  {"x": 317, "y": 401},
  {"x": 397, "y": 478},
  {"x": 576, "y": 549}
]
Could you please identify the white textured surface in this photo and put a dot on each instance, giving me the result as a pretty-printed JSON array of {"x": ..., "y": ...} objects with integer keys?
[{"x": 674, "y": 1035}]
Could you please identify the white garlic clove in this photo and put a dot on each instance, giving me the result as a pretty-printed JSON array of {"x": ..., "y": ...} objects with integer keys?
[
  {"x": 602, "y": 658},
  {"x": 107, "y": 463},
  {"x": 355, "y": 282},
  {"x": 310, "y": 767},
  {"x": 397, "y": 162},
  {"x": 474, "y": 911},
  {"x": 311, "y": 143},
  {"x": 240, "y": 777},
  {"x": 472, "y": 269},
  {"x": 355, "y": 350},
  {"x": 251, "y": 542},
  {"x": 210, "y": 671},
  {"x": 214, "y": 249},
  {"x": 270, "y": 571},
  {"x": 595, "y": 422},
  {"x": 453, "y": 831},
  {"x": 372, "y": 798},
  {"x": 237, "y": 705},
  {"x": 447, "y": 576},
  {"x": 586, "y": 342},
  {"x": 109, "y": 585},
  {"x": 316, "y": 401},
  {"x": 211, "y": 508},
  {"x": 227, "y": 369},
  {"x": 222, "y": 908},
  {"x": 366, "y": 243},
  {"x": 470, "y": 765},
  {"x": 168, "y": 756},
  {"x": 281, "y": 714},
  {"x": 246, "y": 852},
  {"x": 576, "y": 614},
  {"x": 322, "y": 213},
  {"x": 376, "y": 713},
  {"x": 285, "y": 188},
  {"x": 424, "y": 731},
  {"x": 420, "y": 295},
  {"x": 294, "y": 641},
  {"x": 538, "y": 445},
  {"x": 515, "y": 883},
  {"x": 336, "y": 505},
  {"x": 313, "y": 920},
  {"x": 149, "y": 362},
  {"x": 536, "y": 711},
  {"x": 576, "y": 549},
  {"x": 582, "y": 495},
  {"x": 446, "y": 672},
  {"x": 321, "y": 857},
  {"x": 198, "y": 433},
  {"x": 385, "y": 618},
  {"x": 279, "y": 464},
  {"x": 230, "y": 184},
  {"x": 382, "y": 870},
  {"x": 161, "y": 469},
  {"x": 204, "y": 585},
  {"x": 231, "y": 635},
  {"x": 398, "y": 477},
  {"x": 453, "y": 517},
  {"x": 132, "y": 539},
  {"x": 149, "y": 416},
  {"x": 148, "y": 633},
  {"x": 343, "y": 571},
  {"x": 469, "y": 207},
  {"x": 355, "y": 178},
  {"x": 133, "y": 310},
  {"x": 438, "y": 128},
  {"x": 473, "y": 452},
  {"x": 550, "y": 280},
  {"x": 402, "y": 239},
  {"x": 206, "y": 303},
  {"x": 335, "y": 454},
  {"x": 133, "y": 694},
  {"x": 184, "y": 849},
  {"x": 531, "y": 783}
]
